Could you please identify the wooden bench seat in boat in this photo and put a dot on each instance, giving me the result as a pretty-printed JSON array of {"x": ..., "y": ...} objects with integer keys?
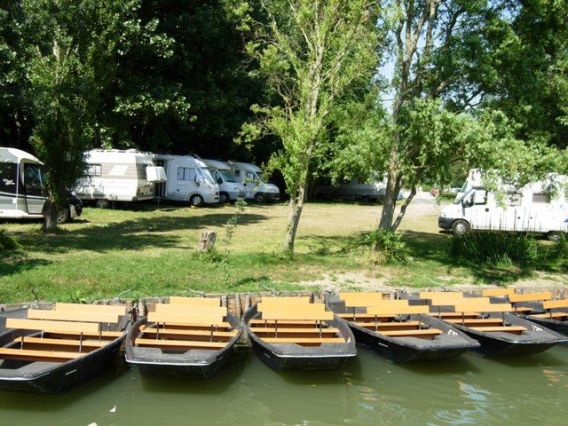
[
  {"x": 315, "y": 312},
  {"x": 481, "y": 306},
  {"x": 296, "y": 323},
  {"x": 365, "y": 316},
  {"x": 27, "y": 340},
  {"x": 552, "y": 304},
  {"x": 304, "y": 340},
  {"x": 43, "y": 314},
  {"x": 530, "y": 297},
  {"x": 35, "y": 355},
  {"x": 185, "y": 332},
  {"x": 522, "y": 309},
  {"x": 507, "y": 329},
  {"x": 191, "y": 310},
  {"x": 398, "y": 310},
  {"x": 183, "y": 344},
  {"x": 194, "y": 301},
  {"x": 424, "y": 333},
  {"x": 284, "y": 330},
  {"x": 53, "y": 326},
  {"x": 497, "y": 292},
  {"x": 552, "y": 315},
  {"x": 81, "y": 307},
  {"x": 455, "y": 314},
  {"x": 98, "y": 335},
  {"x": 366, "y": 299},
  {"x": 289, "y": 299},
  {"x": 474, "y": 321},
  {"x": 189, "y": 317},
  {"x": 384, "y": 324}
]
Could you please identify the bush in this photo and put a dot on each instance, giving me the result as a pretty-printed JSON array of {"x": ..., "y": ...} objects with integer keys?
[
  {"x": 387, "y": 247},
  {"x": 7, "y": 242},
  {"x": 496, "y": 247}
]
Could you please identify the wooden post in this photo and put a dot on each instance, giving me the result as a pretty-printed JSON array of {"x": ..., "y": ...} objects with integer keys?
[{"x": 207, "y": 241}]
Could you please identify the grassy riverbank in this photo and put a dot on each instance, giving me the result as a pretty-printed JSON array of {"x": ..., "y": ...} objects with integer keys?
[{"x": 151, "y": 251}]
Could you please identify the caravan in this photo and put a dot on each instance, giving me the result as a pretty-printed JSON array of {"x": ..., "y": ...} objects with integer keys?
[
  {"x": 532, "y": 208},
  {"x": 252, "y": 178},
  {"x": 23, "y": 188},
  {"x": 229, "y": 188},
  {"x": 189, "y": 180},
  {"x": 118, "y": 175}
]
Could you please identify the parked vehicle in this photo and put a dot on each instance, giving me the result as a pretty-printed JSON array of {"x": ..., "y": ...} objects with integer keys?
[
  {"x": 188, "y": 180},
  {"x": 398, "y": 330},
  {"x": 290, "y": 333},
  {"x": 532, "y": 208},
  {"x": 230, "y": 189},
  {"x": 23, "y": 189},
  {"x": 118, "y": 175},
  {"x": 189, "y": 336},
  {"x": 252, "y": 178},
  {"x": 56, "y": 350},
  {"x": 373, "y": 191}
]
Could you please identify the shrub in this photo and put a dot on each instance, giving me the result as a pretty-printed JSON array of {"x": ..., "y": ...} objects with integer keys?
[
  {"x": 387, "y": 247},
  {"x": 496, "y": 247},
  {"x": 7, "y": 242}
]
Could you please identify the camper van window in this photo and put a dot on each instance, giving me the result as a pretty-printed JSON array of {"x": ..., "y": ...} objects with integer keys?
[
  {"x": 480, "y": 197},
  {"x": 8, "y": 177},
  {"x": 251, "y": 177},
  {"x": 260, "y": 176},
  {"x": 540, "y": 198},
  {"x": 33, "y": 180},
  {"x": 205, "y": 175},
  {"x": 93, "y": 170},
  {"x": 228, "y": 176},
  {"x": 514, "y": 199},
  {"x": 186, "y": 173},
  {"x": 217, "y": 176}
]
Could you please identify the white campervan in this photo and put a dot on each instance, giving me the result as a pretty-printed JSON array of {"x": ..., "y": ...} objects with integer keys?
[
  {"x": 118, "y": 175},
  {"x": 23, "y": 188},
  {"x": 532, "y": 208},
  {"x": 189, "y": 180},
  {"x": 229, "y": 188},
  {"x": 252, "y": 178}
]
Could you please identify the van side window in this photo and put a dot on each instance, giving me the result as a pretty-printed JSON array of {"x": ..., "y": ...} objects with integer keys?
[
  {"x": 480, "y": 197},
  {"x": 250, "y": 177},
  {"x": 33, "y": 180},
  {"x": 186, "y": 173},
  {"x": 93, "y": 170},
  {"x": 8, "y": 177},
  {"x": 514, "y": 199},
  {"x": 540, "y": 198}
]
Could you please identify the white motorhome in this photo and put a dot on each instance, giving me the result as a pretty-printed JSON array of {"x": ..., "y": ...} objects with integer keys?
[
  {"x": 189, "y": 180},
  {"x": 532, "y": 208},
  {"x": 118, "y": 175},
  {"x": 252, "y": 178},
  {"x": 23, "y": 188},
  {"x": 229, "y": 188}
]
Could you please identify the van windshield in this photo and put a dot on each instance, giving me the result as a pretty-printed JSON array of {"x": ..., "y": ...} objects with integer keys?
[
  {"x": 463, "y": 197},
  {"x": 260, "y": 176},
  {"x": 207, "y": 176},
  {"x": 228, "y": 176}
]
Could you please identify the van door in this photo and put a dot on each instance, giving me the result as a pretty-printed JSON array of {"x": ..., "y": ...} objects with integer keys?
[
  {"x": 185, "y": 182},
  {"x": 8, "y": 186},
  {"x": 477, "y": 211},
  {"x": 34, "y": 188},
  {"x": 251, "y": 184}
]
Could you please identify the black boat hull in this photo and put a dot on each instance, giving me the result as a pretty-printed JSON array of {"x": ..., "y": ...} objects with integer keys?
[
  {"x": 493, "y": 347},
  {"x": 205, "y": 366},
  {"x": 66, "y": 376}
]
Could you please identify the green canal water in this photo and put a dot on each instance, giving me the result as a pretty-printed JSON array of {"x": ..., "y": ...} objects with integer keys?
[{"x": 368, "y": 391}]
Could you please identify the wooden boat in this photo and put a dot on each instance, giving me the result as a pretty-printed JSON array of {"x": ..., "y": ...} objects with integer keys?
[
  {"x": 55, "y": 350},
  {"x": 493, "y": 325},
  {"x": 397, "y": 330},
  {"x": 290, "y": 333},
  {"x": 189, "y": 336}
]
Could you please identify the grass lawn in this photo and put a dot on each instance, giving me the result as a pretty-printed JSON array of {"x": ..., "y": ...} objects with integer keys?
[{"x": 150, "y": 251}]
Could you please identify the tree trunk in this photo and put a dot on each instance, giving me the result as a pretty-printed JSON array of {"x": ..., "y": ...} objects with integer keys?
[
  {"x": 389, "y": 204},
  {"x": 49, "y": 216},
  {"x": 403, "y": 209},
  {"x": 296, "y": 206}
]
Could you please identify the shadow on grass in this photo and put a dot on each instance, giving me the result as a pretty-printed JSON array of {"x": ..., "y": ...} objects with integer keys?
[
  {"x": 15, "y": 264},
  {"x": 128, "y": 235}
]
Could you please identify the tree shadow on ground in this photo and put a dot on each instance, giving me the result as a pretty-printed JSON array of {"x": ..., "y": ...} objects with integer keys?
[
  {"x": 19, "y": 263},
  {"x": 136, "y": 234}
]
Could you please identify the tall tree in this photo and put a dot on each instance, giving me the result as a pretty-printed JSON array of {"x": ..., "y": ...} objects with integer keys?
[{"x": 312, "y": 53}]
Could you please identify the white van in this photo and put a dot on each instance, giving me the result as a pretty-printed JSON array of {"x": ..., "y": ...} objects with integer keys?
[
  {"x": 189, "y": 180},
  {"x": 229, "y": 188},
  {"x": 23, "y": 188},
  {"x": 252, "y": 178},
  {"x": 118, "y": 175},
  {"x": 528, "y": 209}
]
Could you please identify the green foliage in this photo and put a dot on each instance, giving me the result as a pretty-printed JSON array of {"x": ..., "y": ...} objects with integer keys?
[
  {"x": 233, "y": 221},
  {"x": 7, "y": 242},
  {"x": 387, "y": 247}
]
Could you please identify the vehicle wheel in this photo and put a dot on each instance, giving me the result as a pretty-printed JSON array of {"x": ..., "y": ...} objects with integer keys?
[
  {"x": 196, "y": 200},
  {"x": 101, "y": 204},
  {"x": 460, "y": 227},
  {"x": 224, "y": 198},
  {"x": 553, "y": 236},
  {"x": 259, "y": 198},
  {"x": 63, "y": 216}
]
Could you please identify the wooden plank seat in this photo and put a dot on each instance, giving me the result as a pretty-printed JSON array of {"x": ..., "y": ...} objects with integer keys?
[
  {"x": 299, "y": 311},
  {"x": 304, "y": 340},
  {"x": 552, "y": 304},
  {"x": 507, "y": 329},
  {"x": 294, "y": 323},
  {"x": 366, "y": 299},
  {"x": 288, "y": 299},
  {"x": 151, "y": 329},
  {"x": 52, "y": 326},
  {"x": 497, "y": 292},
  {"x": 455, "y": 314},
  {"x": 185, "y": 310},
  {"x": 390, "y": 324},
  {"x": 398, "y": 310},
  {"x": 474, "y": 321},
  {"x": 104, "y": 335},
  {"x": 530, "y": 297},
  {"x": 219, "y": 326},
  {"x": 194, "y": 301},
  {"x": 285, "y": 330},
  {"x": 179, "y": 344},
  {"x": 46, "y": 341},
  {"x": 423, "y": 333},
  {"x": 522, "y": 309},
  {"x": 190, "y": 317},
  {"x": 364, "y": 316},
  {"x": 553, "y": 315},
  {"x": 482, "y": 306},
  {"x": 82, "y": 307},
  {"x": 102, "y": 317},
  {"x": 37, "y": 355}
]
